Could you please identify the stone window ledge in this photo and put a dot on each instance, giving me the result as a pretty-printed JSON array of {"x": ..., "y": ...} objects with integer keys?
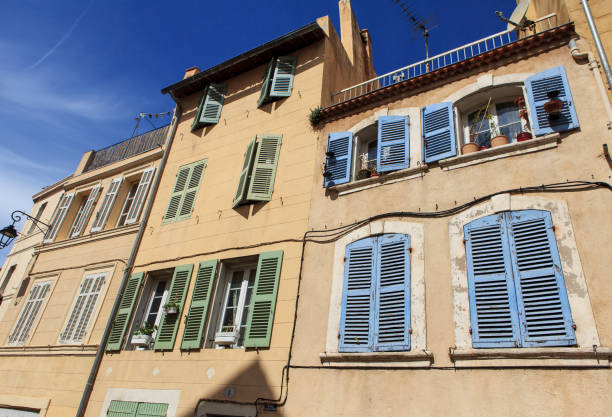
[
  {"x": 531, "y": 357},
  {"x": 417, "y": 359},
  {"x": 384, "y": 178},
  {"x": 57, "y": 350},
  {"x": 504, "y": 151}
]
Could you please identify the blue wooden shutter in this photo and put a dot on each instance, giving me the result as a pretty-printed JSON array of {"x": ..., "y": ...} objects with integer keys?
[
  {"x": 211, "y": 110},
  {"x": 392, "y": 318},
  {"x": 438, "y": 132},
  {"x": 393, "y": 143},
  {"x": 356, "y": 327},
  {"x": 538, "y": 86},
  {"x": 493, "y": 311},
  {"x": 338, "y": 159},
  {"x": 545, "y": 315},
  {"x": 282, "y": 83}
]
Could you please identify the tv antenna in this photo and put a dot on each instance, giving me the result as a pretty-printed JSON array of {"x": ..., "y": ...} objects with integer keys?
[
  {"x": 419, "y": 24},
  {"x": 517, "y": 20}
]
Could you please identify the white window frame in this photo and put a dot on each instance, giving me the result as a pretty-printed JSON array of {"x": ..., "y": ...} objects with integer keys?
[
  {"x": 226, "y": 282},
  {"x": 143, "y": 307},
  {"x": 127, "y": 204}
]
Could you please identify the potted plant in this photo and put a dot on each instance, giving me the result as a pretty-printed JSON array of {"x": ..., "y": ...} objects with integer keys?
[
  {"x": 171, "y": 308},
  {"x": 497, "y": 138},
  {"x": 227, "y": 336},
  {"x": 524, "y": 134},
  {"x": 477, "y": 120},
  {"x": 553, "y": 106},
  {"x": 364, "y": 172},
  {"x": 372, "y": 168},
  {"x": 143, "y": 336}
]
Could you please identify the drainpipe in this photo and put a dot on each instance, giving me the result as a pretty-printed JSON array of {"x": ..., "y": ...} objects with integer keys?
[
  {"x": 128, "y": 268},
  {"x": 597, "y": 40},
  {"x": 594, "y": 66}
]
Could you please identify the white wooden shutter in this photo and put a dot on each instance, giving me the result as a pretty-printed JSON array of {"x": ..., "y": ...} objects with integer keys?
[
  {"x": 58, "y": 217},
  {"x": 139, "y": 197},
  {"x": 28, "y": 315},
  {"x": 107, "y": 205},
  {"x": 83, "y": 308},
  {"x": 83, "y": 216}
]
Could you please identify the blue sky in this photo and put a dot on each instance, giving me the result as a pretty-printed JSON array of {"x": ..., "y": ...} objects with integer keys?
[{"x": 75, "y": 74}]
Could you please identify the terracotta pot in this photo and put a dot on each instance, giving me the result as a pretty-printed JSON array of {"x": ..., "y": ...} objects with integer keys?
[
  {"x": 553, "y": 106},
  {"x": 523, "y": 136},
  {"x": 499, "y": 141},
  {"x": 374, "y": 174},
  {"x": 469, "y": 147}
]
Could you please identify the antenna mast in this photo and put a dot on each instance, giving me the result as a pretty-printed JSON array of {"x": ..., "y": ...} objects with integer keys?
[{"x": 418, "y": 23}]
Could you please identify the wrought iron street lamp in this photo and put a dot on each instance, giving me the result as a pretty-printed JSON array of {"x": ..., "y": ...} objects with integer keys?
[{"x": 9, "y": 232}]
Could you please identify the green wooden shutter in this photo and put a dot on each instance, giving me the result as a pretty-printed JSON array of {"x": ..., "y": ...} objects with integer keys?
[
  {"x": 169, "y": 323},
  {"x": 264, "y": 95},
  {"x": 196, "y": 120},
  {"x": 122, "y": 409},
  {"x": 191, "y": 191},
  {"x": 125, "y": 311},
  {"x": 264, "y": 169},
  {"x": 247, "y": 165},
  {"x": 261, "y": 313},
  {"x": 211, "y": 112},
  {"x": 177, "y": 193},
  {"x": 283, "y": 77},
  {"x": 152, "y": 410},
  {"x": 198, "y": 307}
]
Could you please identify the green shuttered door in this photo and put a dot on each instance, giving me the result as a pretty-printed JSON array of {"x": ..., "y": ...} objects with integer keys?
[
  {"x": 264, "y": 169},
  {"x": 169, "y": 323},
  {"x": 125, "y": 311},
  {"x": 198, "y": 307}
]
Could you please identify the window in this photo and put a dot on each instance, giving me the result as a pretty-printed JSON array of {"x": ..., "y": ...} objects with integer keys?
[
  {"x": 516, "y": 287},
  {"x": 376, "y": 295},
  {"x": 184, "y": 193},
  {"x": 58, "y": 217},
  {"x": 7, "y": 278},
  {"x": 127, "y": 204},
  {"x": 29, "y": 314},
  {"x": 136, "y": 409},
  {"x": 209, "y": 109},
  {"x": 107, "y": 204},
  {"x": 39, "y": 214},
  {"x": 85, "y": 208},
  {"x": 140, "y": 195},
  {"x": 485, "y": 123},
  {"x": 256, "y": 181},
  {"x": 83, "y": 308},
  {"x": 278, "y": 80}
]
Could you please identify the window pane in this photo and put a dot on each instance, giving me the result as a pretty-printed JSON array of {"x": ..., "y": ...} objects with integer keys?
[
  {"x": 507, "y": 113},
  {"x": 155, "y": 308},
  {"x": 511, "y": 131},
  {"x": 247, "y": 304}
]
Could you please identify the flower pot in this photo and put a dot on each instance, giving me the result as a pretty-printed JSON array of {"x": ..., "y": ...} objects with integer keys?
[
  {"x": 373, "y": 174},
  {"x": 170, "y": 310},
  {"x": 553, "y": 106},
  {"x": 363, "y": 174},
  {"x": 469, "y": 147},
  {"x": 141, "y": 340},
  {"x": 523, "y": 136},
  {"x": 483, "y": 147},
  {"x": 499, "y": 141}
]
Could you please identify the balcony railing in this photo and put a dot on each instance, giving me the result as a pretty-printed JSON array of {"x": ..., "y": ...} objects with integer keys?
[
  {"x": 128, "y": 148},
  {"x": 442, "y": 60}
]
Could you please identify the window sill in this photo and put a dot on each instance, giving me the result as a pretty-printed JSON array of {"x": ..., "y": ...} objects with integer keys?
[
  {"x": 388, "y": 178},
  {"x": 417, "y": 359},
  {"x": 57, "y": 350},
  {"x": 90, "y": 237},
  {"x": 531, "y": 357},
  {"x": 504, "y": 151}
]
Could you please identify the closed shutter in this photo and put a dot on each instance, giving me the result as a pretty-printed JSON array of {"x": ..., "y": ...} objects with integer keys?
[
  {"x": 58, "y": 218},
  {"x": 107, "y": 205},
  {"x": 177, "y": 193},
  {"x": 263, "y": 304},
  {"x": 264, "y": 168},
  {"x": 122, "y": 409},
  {"x": 338, "y": 158},
  {"x": 545, "y": 316},
  {"x": 140, "y": 196},
  {"x": 211, "y": 111},
  {"x": 198, "y": 307},
  {"x": 81, "y": 221},
  {"x": 283, "y": 77},
  {"x": 191, "y": 190},
  {"x": 393, "y": 143},
  {"x": 28, "y": 315},
  {"x": 538, "y": 86},
  {"x": 124, "y": 313},
  {"x": 245, "y": 174},
  {"x": 170, "y": 322},
  {"x": 84, "y": 306},
  {"x": 438, "y": 132},
  {"x": 264, "y": 94},
  {"x": 152, "y": 410},
  {"x": 356, "y": 330}
]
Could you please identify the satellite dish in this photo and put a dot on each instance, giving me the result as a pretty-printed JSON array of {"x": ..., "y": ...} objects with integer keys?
[{"x": 517, "y": 19}]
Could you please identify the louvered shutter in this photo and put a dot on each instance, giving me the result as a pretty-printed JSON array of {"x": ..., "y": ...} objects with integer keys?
[
  {"x": 170, "y": 322},
  {"x": 140, "y": 196},
  {"x": 264, "y": 94},
  {"x": 84, "y": 215},
  {"x": 247, "y": 166},
  {"x": 393, "y": 143},
  {"x": 545, "y": 316},
  {"x": 282, "y": 82},
  {"x": 177, "y": 193},
  {"x": 28, "y": 315},
  {"x": 191, "y": 190},
  {"x": 198, "y": 307},
  {"x": 493, "y": 312},
  {"x": 211, "y": 111},
  {"x": 84, "y": 306},
  {"x": 107, "y": 205},
  {"x": 122, "y": 409},
  {"x": 438, "y": 132},
  {"x": 196, "y": 120},
  {"x": 392, "y": 318},
  {"x": 124, "y": 313},
  {"x": 338, "y": 158},
  {"x": 58, "y": 218},
  {"x": 152, "y": 410},
  {"x": 264, "y": 168},
  {"x": 263, "y": 302},
  {"x": 538, "y": 86},
  {"x": 356, "y": 323}
]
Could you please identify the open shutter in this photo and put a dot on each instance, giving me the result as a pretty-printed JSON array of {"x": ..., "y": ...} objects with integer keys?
[
  {"x": 356, "y": 327},
  {"x": 196, "y": 120},
  {"x": 393, "y": 143},
  {"x": 152, "y": 410},
  {"x": 107, "y": 205},
  {"x": 338, "y": 158},
  {"x": 170, "y": 322},
  {"x": 392, "y": 318},
  {"x": 198, "y": 307},
  {"x": 493, "y": 312},
  {"x": 264, "y": 95},
  {"x": 438, "y": 132},
  {"x": 140, "y": 196},
  {"x": 283, "y": 77},
  {"x": 191, "y": 190},
  {"x": 58, "y": 218},
  {"x": 83, "y": 308},
  {"x": 261, "y": 313},
  {"x": 545, "y": 316},
  {"x": 538, "y": 86},
  {"x": 84, "y": 214},
  {"x": 124, "y": 313},
  {"x": 211, "y": 111},
  {"x": 264, "y": 168},
  {"x": 247, "y": 166},
  {"x": 177, "y": 193},
  {"x": 122, "y": 409}
]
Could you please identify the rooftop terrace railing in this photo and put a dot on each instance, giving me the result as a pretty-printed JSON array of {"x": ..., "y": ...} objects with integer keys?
[{"x": 445, "y": 59}]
